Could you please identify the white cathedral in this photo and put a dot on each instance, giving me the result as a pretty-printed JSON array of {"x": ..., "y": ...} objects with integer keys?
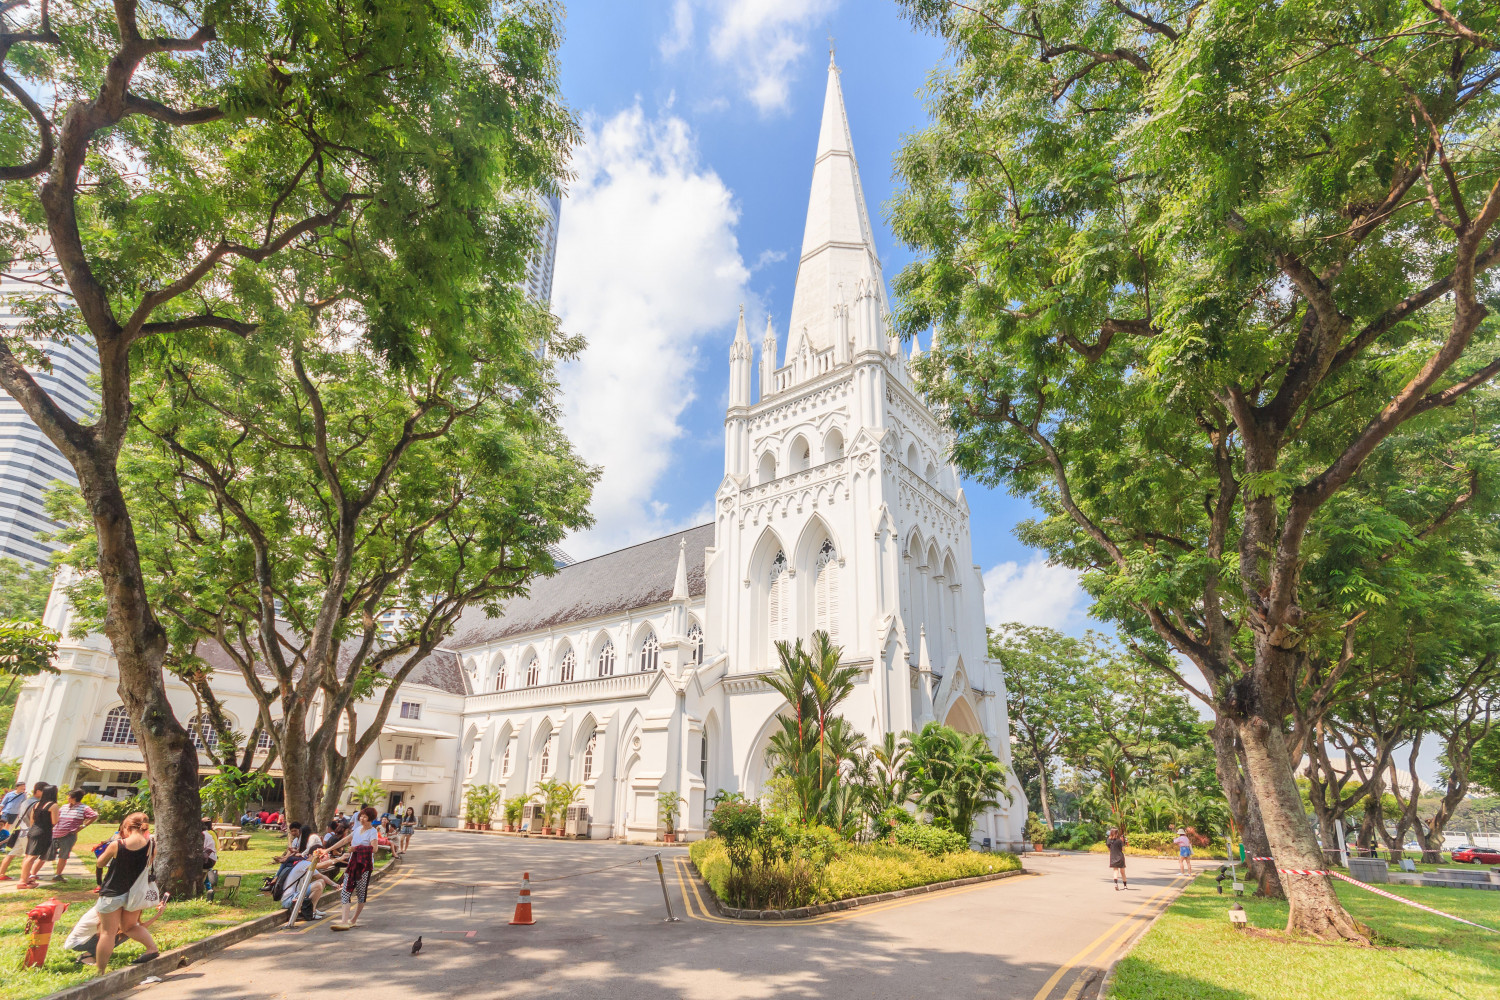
[{"x": 642, "y": 670}]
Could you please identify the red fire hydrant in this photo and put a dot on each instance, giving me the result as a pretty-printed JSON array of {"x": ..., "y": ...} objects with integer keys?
[{"x": 39, "y": 922}]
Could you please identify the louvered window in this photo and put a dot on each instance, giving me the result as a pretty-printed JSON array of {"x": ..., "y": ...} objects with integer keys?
[
  {"x": 588, "y": 755},
  {"x": 569, "y": 665},
  {"x": 607, "y": 659},
  {"x": 650, "y": 652},
  {"x": 778, "y": 617},
  {"x": 826, "y": 590}
]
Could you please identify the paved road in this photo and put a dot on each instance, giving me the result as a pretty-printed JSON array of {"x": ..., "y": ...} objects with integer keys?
[{"x": 1041, "y": 936}]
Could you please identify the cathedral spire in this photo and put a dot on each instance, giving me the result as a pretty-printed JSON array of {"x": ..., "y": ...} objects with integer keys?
[
  {"x": 768, "y": 362},
  {"x": 680, "y": 584},
  {"x": 740, "y": 365},
  {"x": 838, "y": 245}
]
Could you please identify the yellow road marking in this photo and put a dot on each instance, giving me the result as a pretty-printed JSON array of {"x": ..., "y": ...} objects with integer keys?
[
  {"x": 701, "y": 911},
  {"x": 1062, "y": 970}
]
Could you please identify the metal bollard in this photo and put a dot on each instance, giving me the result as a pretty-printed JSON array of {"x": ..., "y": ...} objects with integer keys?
[{"x": 664, "y": 897}]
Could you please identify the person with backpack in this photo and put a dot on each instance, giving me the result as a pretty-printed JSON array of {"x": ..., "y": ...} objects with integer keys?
[
  {"x": 18, "y": 830},
  {"x": 128, "y": 889}
]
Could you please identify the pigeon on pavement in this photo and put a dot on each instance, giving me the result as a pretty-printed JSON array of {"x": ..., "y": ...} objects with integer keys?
[{"x": 416, "y": 945}]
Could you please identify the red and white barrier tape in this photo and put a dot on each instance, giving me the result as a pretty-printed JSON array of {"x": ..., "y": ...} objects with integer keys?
[
  {"x": 1302, "y": 871},
  {"x": 1408, "y": 902}
]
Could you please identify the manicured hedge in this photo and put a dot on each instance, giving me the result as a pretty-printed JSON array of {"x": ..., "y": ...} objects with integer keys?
[{"x": 867, "y": 869}]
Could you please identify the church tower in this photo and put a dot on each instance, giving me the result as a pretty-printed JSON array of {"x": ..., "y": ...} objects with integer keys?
[{"x": 839, "y": 509}]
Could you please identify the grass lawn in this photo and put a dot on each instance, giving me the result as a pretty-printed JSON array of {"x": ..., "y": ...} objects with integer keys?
[
  {"x": 180, "y": 924},
  {"x": 1192, "y": 953}
]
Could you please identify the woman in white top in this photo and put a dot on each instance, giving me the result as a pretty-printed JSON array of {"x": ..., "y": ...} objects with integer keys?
[{"x": 361, "y": 840}]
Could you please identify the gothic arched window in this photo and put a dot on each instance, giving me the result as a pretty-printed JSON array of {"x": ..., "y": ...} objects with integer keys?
[
  {"x": 533, "y": 672},
  {"x": 546, "y": 757},
  {"x": 117, "y": 727},
  {"x": 500, "y": 675},
  {"x": 588, "y": 754},
  {"x": 568, "y": 666},
  {"x": 505, "y": 761},
  {"x": 201, "y": 733},
  {"x": 703, "y": 757},
  {"x": 650, "y": 652},
  {"x": 606, "y": 658},
  {"x": 695, "y": 641},
  {"x": 826, "y": 589},
  {"x": 778, "y": 602}
]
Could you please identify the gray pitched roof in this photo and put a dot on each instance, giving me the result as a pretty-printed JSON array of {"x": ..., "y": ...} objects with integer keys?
[
  {"x": 636, "y": 577},
  {"x": 440, "y": 669}
]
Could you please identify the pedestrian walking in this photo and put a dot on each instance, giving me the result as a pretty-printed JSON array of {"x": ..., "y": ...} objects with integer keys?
[
  {"x": 128, "y": 889},
  {"x": 18, "y": 830},
  {"x": 1115, "y": 841},
  {"x": 361, "y": 841},
  {"x": 408, "y": 827},
  {"x": 1184, "y": 852},
  {"x": 44, "y": 813},
  {"x": 70, "y": 819}
]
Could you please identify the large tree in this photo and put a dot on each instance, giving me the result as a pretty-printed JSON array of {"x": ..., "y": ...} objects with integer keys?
[
  {"x": 163, "y": 163},
  {"x": 1190, "y": 265},
  {"x": 285, "y": 503}
]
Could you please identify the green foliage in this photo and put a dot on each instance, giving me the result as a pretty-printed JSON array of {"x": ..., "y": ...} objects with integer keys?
[
  {"x": 954, "y": 775},
  {"x": 860, "y": 870},
  {"x": 10, "y": 770},
  {"x": 1036, "y": 831},
  {"x": 26, "y": 649},
  {"x": 933, "y": 840},
  {"x": 1212, "y": 289},
  {"x": 109, "y": 810},
  {"x": 1075, "y": 836},
  {"x": 227, "y": 793},
  {"x": 1486, "y": 760},
  {"x": 365, "y": 792},
  {"x": 141, "y": 801},
  {"x": 480, "y": 802},
  {"x": 24, "y": 588},
  {"x": 668, "y": 808},
  {"x": 514, "y": 808}
]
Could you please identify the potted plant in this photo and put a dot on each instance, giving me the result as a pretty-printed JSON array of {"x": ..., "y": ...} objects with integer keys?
[
  {"x": 514, "y": 809},
  {"x": 544, "y": 794},
  {"x": 479, "y": 806},
  {"x": 560, "y": 796},
  {"x": 668, "y": 805},
  {"x": 1036, "y": 832}
]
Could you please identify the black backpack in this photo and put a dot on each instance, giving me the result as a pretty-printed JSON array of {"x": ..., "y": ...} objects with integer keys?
[{"x": 278, "y": 884}]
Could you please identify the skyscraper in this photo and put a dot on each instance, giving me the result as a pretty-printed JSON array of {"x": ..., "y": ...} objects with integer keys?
[
  {"x": 29, "y": 461},
  {"x": 539, "y": 268}
]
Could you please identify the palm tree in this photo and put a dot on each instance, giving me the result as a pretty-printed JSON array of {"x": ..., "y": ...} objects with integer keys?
[
  {"x": 830, "y": 683},
  {"x": 956, "y": 775},
  {"x": 888, "y": 785},
  {"x": 1116, "y": 773}
]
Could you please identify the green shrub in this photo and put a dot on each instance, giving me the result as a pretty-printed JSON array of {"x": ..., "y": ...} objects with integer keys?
[
  {"x": 109, "y": 810},
  {"x": 930, "y": 839},
  {"x": 1036, "y": 831},
  {"x": 857, "y": 870},
  {"x": 1075, "y": 836}
]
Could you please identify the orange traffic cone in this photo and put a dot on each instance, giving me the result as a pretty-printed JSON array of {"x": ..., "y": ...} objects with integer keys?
[{"x": 523, "y": 902}]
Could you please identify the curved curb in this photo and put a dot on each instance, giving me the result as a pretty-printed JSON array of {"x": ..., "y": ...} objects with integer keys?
[
  {"x": 123, "y": 979},
  {"x": 803, "y": 912}
]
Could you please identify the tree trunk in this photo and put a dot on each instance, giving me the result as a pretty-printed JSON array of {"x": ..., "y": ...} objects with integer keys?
[
  {"x": 1229, "y": 763},
  {"x": 1315, "y": 908},
  {"x": 1041, "y": 778},
  {"x": 140, "y": 647}
]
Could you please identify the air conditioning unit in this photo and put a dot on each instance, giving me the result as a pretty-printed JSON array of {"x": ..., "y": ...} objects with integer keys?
[
  {"x": 577, "y": 822},
  {"x": 535, "y": 817},
  {"x": 432, "y": 814}
]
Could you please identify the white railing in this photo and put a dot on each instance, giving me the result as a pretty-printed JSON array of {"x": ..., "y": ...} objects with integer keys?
[
  {"x": 832, "y": 469},
  {"x": 790, "y": 374},
  {"x": 412, "y": 772},
  {"x": 621, "y": 685}
]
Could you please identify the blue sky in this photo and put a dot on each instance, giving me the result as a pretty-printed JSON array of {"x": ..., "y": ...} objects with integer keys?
[{"x": 702, "y": 118}]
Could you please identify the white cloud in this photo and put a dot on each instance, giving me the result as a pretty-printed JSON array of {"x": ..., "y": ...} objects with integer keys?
[
  {"x": 768, "y": 257},
  {"x": 1034, "y": 594},
  {"x": 648, "y": 266},
  {"x": 761, "y": 39}
]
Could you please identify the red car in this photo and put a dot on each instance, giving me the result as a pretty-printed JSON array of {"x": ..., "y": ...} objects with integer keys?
[{"x": 1477, "y": 856}]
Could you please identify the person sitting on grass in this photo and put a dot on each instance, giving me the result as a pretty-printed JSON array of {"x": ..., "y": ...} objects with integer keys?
[{"x": 72, "y": 818}]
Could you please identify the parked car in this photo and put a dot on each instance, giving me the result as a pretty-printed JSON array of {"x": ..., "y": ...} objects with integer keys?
[{"x": 1469, "y": 855}]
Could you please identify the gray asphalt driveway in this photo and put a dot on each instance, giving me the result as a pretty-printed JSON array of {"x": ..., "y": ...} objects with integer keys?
[{"x": 1040, "y": 936}]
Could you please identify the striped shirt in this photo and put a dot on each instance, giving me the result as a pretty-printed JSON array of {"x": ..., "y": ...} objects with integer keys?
[{"x": 73, "y": 818}]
